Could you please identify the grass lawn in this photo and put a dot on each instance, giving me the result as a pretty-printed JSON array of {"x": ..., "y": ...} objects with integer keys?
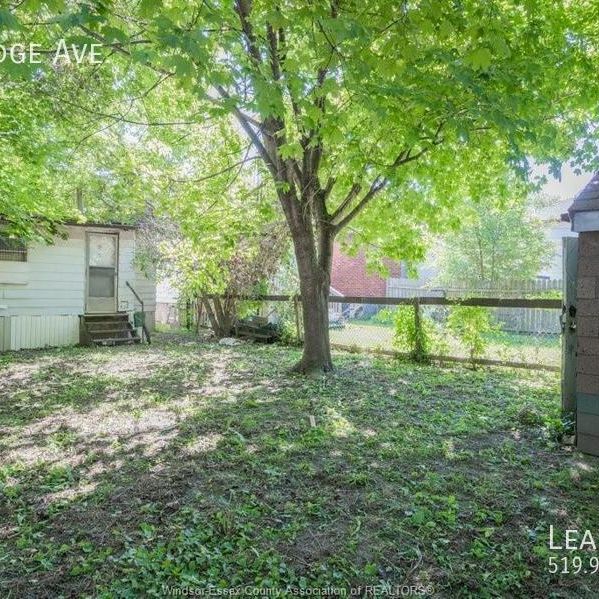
[
  {"x": 192, "y": 464},
  {"x": 509, "y": 347}
]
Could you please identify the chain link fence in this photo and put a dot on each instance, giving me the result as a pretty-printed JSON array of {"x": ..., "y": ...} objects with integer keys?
[
  {"x": 517, "y": 332},
  {"x": 483, "y": 334}
]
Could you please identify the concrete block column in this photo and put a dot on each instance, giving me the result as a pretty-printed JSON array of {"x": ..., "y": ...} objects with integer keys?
[{"x": 584, "y": 215}]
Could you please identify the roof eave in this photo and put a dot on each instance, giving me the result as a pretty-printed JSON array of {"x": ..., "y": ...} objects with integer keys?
[{"x": 100, "y": 225}]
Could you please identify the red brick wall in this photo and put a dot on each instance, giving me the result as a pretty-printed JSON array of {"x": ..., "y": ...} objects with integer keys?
[{"x": 350, "y": 277}]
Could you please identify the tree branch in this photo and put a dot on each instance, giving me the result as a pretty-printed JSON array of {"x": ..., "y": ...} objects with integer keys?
[
  {"x": 329, "y": 187},
  {"x": 243, "y": 9},
  {"x": 353, "y": 192},
  {"x": 378, "y": 184},
  {"x": 217, "y": 173},
  {"x": 274, "y": 52},
  {"x": 254, "y": 137}
]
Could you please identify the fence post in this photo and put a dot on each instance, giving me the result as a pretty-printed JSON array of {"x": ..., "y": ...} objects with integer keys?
[
  {"x": 569, "y": 336},
  {"x": 188, "y": 315},
  {"x": 198, "y": 313},
  {"x": 419, "y": 349}
]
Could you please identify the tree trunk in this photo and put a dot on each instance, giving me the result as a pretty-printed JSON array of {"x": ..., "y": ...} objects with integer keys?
[
  {"x": 220, "y": 319},
  {"x": 316, "y": 356},
  {"x": 315, "y": 278}
]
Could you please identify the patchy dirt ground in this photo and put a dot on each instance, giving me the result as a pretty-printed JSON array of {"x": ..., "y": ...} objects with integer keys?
[{"x": 125, "y": 471}]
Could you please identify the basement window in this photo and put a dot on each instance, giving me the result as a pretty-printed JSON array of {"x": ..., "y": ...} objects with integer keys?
[{"x": 12, "y": 249}]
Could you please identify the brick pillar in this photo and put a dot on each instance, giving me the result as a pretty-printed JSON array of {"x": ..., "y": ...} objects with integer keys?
[
  {"x": 587, "y": 362},
  {"x": 584, "y": 215}
]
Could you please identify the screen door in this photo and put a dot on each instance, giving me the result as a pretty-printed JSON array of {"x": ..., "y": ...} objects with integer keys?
[{"x": 102, "y": 261}]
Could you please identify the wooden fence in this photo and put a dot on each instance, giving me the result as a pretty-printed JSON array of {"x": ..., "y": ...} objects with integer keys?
[
  {"x": 523, "y": 320},
  {"x": 516, "y": 288}
]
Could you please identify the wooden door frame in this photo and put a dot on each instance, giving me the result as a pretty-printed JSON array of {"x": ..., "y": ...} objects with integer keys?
[{"x": 116, "y": 269}]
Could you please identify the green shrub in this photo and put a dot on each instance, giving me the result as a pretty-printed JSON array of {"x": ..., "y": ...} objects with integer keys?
[
  {"x": 418, "y": 340},
  {"x": 471, "y": 325},
  {"x": 288, "y": 331},
  {"x": 287, "y": 324},
  {"x": 385, "y": 316}
]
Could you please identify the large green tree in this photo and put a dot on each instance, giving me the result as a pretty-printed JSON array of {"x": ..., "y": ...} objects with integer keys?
[
  {"x": 381, "y": 116},
  {"x": 495, "y": 247},
  {"x": 28, "y": 202},
  {"x": 53, "y": 159}
]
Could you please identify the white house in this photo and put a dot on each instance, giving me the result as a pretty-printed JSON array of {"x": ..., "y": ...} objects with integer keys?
[
  {"x": 167, "y": 300},
  {"x": 84, "y": 288}
]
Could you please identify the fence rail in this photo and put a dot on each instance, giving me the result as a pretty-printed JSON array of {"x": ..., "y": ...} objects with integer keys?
[
  {"x": 536, "y": 345},
  {"x": 524, "y": 320},
  {"x": 517, "y": 288},
  {"x": 487, "y": 302}
]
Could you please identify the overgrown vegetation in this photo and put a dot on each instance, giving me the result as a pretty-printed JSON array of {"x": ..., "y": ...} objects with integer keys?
[
  {"x": 419, "y": 336},
  {"x": 414, "y": 333},
  {"x": 472, "y": 326},
  {"x": 378, "y": 127},
  {"x": 186, "y": 463}
]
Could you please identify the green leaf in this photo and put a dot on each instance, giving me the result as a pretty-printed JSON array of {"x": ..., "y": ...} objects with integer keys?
[
  {"x": 8, "y": 20},
  {"x": 445, "y": 29},
  {"x": 182, "y": 66},
  {"x": 148, "y": 8},
  {"x": 291, "y": 150},
  {"x": 113, "y": 34},
  {"x": 480, "y": 58},
  {"x": 55, "y": 4}
]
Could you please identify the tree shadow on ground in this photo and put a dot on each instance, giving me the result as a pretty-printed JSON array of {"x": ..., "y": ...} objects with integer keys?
[{"x": 215, "y": 460}]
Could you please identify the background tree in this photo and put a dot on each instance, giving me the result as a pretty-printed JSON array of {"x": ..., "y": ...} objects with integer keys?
[
  {"x": 494, "y": 247},
  {"x": 54, "y": 157},
  {"x": 213, "y": 271},
  {"x": 215, "y": 227},
  {"x": 28, "y": 199},
  {"x": 385, "y": 114}
]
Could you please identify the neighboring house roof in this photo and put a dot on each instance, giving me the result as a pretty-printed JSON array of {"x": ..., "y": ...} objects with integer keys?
[
  {"x": 73, "y": 223},
  {"x": 588, "y": 198},
  {"x": 102, "y": 225}
]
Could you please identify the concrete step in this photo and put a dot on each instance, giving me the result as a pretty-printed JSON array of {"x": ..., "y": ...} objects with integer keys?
[
  {"x": 117, "y": 341},
  {"x": 116, "y": 316},
  {"x": 118, "y": 334}
]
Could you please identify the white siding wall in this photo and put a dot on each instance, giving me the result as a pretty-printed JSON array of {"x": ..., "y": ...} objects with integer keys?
[
  {"x": 40, "y": 300},
  {"x": 52, "y": 281},
  {"x": 144, "y": 286},
  {"x": 126, "y": 300},
  {"x": 51, "y": 330}
]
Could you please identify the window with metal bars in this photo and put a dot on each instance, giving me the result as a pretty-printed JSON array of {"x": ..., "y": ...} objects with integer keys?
[{"x": 12, "y": 249}]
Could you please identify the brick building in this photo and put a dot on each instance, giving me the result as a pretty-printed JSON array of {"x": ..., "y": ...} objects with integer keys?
[{"x": 350, "y": 275}]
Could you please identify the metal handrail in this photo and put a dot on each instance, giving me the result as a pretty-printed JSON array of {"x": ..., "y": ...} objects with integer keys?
[{"x": 144, "y": 329}]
